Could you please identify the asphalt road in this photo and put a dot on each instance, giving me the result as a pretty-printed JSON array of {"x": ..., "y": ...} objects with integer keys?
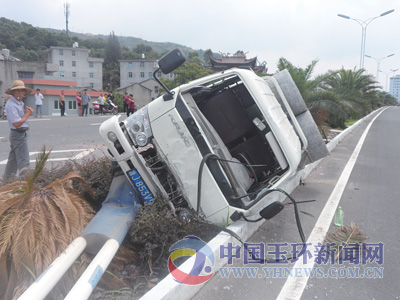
[
  {"x": 369, "y": 198},
  {"x": 68, "y": 137}
]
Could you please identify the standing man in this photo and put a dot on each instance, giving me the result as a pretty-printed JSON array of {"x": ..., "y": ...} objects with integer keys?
[
  {"x": 38, "y": 102},
  {"x": 79, "y": 101},
  {"x": 126, "y": 105},
  {"x": 85, "y": 102},
  {"x": 131, "y": 105},
  {"x": 62, "y": 103},
  {"x": 17, "y": 117},
  {"x": 101, "y": 103},
  {"x": 111, "y": 97}
]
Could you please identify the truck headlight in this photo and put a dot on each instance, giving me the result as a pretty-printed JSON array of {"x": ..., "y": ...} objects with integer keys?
[
  {"x": 112, "y": 136},
  {"x": 138, "y": 127},
  {"x": 141, "y": 139}
]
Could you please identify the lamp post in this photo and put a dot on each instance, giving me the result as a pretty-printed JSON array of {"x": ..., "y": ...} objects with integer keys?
[
  {"x": 364, "y": 25},
  {"x": 378, "y": 63},
  {"x": 394, "y": 71}
]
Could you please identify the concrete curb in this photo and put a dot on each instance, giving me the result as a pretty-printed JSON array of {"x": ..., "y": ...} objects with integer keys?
[{"x": 168, "y": 288}]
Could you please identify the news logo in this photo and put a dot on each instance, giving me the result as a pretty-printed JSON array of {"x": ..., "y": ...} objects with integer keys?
[{"x": 202, "y": 269}]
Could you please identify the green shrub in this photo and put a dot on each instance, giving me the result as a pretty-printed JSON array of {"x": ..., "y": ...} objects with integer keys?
[
  {"x": 96, "y": 171},
  {"x": 156, "y": 228}
]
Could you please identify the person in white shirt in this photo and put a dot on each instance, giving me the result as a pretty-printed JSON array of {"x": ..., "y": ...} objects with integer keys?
[
  {"x": 38, "y": 102},
  {"x": 17, "y": 118},
  {"x": 101, "y": 103}
]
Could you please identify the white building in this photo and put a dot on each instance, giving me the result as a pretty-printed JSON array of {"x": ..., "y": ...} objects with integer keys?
[
  {"x": 395, "y": 86},
  {"x": 143, "y": 92},
  {"x": 74, "y": 64},
  {"x": 136, "y": 71}
]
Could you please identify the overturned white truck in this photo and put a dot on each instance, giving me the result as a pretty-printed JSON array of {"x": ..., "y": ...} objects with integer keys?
[{"x": 218, "y": 144}]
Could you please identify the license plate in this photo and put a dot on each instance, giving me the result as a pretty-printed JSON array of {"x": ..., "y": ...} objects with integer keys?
[{"x": 141, "y": 186}]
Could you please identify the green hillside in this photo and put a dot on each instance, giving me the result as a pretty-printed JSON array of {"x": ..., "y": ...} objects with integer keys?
[{"x": 129, "y": 42}]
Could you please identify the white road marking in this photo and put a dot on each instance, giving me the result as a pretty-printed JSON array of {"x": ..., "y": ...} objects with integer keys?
[
  {"x": 294, "y": 286},
  {"x": 30, "y": 120},
  {"x": 61, "y": 151},
  {"x": 83, "y": 153}
]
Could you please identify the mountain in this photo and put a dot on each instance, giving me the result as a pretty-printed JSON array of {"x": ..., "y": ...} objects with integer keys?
[{"x": 132, "y": 42}]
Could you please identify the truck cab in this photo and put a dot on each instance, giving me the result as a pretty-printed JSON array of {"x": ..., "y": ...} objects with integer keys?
[{"x": 216, "y": 145}]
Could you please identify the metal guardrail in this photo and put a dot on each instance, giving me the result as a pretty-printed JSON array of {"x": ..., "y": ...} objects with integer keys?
[{"x": 103, "y": 235}]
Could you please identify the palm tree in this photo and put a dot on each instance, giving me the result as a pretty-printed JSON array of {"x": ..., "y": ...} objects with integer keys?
[
  {"x": 336, "y": 96},
  {"x": 302, "y": 77},
  {"x": 36, "y": 225},
  {"x": 323, "y": 104},
  {"x": 355, "y": 88}
]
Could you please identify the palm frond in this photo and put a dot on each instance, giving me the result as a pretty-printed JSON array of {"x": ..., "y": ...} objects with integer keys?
[
  {"x": 41, "y": 160},
  {"x": 37, "y": 224},
  {"x": 344, "y": 236},
  {"x": 3, "y": 275},
  {"x": 347, "y": 234}
]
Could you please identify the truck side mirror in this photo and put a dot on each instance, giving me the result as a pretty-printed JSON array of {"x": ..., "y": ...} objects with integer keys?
[
  {"x": 271, "y": 210},
  {"x": 171, "y": 61}
]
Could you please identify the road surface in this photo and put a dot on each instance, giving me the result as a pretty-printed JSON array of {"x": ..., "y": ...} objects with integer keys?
[
  {"x": 362, "y": 175},
  {"x": 68, "y": 137}
]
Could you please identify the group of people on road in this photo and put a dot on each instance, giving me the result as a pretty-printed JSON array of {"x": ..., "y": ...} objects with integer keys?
[
  {"x": 105, "y": 101},
  {"x": 83, "y": 100},
  {"x": 18, "y": 115},
  {"x": 129, "y": 104}
]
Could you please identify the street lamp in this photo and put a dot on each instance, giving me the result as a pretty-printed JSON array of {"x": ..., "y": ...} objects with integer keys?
[
  {"x": 364, "y": 25},
  {"x": 394, "y": 71},
  {"x": 378, "y": 63}
]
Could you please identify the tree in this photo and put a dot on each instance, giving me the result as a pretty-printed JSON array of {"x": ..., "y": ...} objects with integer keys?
[
  {"x": 207, "y": 54},
  {"x": 146, "y": 50},
  {"x": 113, "y": 50},
  {"x": 302, "y": 77},
  {"x": 190, "y": 70},
  {"x": 324, "y": 104},
  {"x": 113, "y": 54},
  {"x": 337, "y": 96},
  {"x": 355, "y": 88}
]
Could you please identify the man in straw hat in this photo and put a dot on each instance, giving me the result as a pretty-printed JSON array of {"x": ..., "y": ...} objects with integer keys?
[{"x": 17, "y": 117}]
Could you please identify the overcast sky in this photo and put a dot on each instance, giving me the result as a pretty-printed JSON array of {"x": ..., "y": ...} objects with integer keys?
[{"x": 298, "y": 30}]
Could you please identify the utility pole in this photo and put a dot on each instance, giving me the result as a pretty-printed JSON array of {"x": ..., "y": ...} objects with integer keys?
[{"x": 66, "y": 12}]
